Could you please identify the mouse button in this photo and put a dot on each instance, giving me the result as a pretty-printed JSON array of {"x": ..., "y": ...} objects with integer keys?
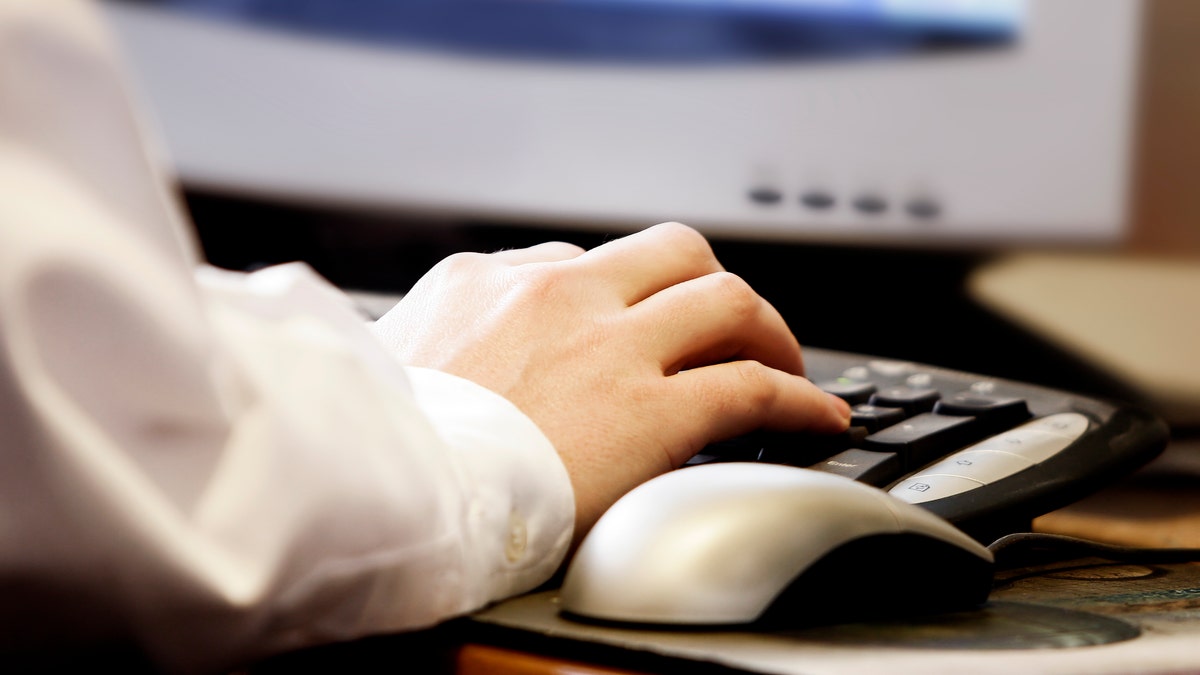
[
  {"x": 742, "y": 547},
  {"x": 645, "y": 593},
  {"x": 693, "y": 571},
  {"x": 649, "y": 557},
  {"x": 625, "y": 538},
  {"x": 772, "y": 511},
  {"x": 714, "y": 544}
]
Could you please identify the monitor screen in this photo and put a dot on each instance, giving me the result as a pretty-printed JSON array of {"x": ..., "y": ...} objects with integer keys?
[
  {"x": 958, "y": 122},
  {"x": 655, "y": 31}
]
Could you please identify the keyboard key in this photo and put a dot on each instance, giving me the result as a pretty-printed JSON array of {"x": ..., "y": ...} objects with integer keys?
[
  {"x": 872, "y": 468},
  {"x": 874, "y": 417},
  {"x": 851, "y": 391},
  {"x": 998, "y": 412},
  {"x": 808, "y": 449},
  {"x": 912, "y": 399},
  {"x": 924, "y": 438},
  {"x": 740, "y": 449},
  {"x": 958, "y": 431}
]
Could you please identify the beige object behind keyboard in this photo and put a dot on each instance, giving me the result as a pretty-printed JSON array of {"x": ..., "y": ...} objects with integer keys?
[{"x": 1136, "y": 318}]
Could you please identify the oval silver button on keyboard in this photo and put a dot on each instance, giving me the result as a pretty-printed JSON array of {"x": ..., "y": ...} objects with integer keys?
[
  {"x": 1039, "y": 439},
  {"x": 995, "y": 458},
  {"x": 1067, "y": 425},
  {"x": 986, "y": 466},
  {"x": 1033, "y": 444},
  {"x": 928, "y": 487}
]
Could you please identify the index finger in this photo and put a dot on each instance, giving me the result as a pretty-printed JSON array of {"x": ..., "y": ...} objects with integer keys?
[{"x": 737, "y": 397}]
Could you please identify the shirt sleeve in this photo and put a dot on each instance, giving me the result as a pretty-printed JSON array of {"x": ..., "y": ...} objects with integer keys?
[{"x": 218, "y": 465}]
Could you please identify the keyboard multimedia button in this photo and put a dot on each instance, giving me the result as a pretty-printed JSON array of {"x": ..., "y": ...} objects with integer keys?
[
  {"x": 1033, "y": 444},
  {"x": 984, "y": 387},
  {"x": 889, "y": 368},
  {"x": 986, "y": 466},
  {"x": 857, "y": 373},
  {"x": 1067, "y": 425},
  {"x": 928, "y": 487},
  {"x": 919, "y": 381}
]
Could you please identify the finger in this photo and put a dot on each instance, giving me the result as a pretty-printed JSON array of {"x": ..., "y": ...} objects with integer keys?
[
  {"x": 715, "y": 318},
  {"x": 551, "y": 251},
  {"x": 641, "y": 264},
  {"x": 734, "y": 398}
]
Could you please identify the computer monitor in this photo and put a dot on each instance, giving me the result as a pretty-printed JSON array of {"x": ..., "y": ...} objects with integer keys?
[{"x": 958, "y": 122}]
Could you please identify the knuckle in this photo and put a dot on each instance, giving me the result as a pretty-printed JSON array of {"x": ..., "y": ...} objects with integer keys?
[
  {"x": 735, "y": 295},
  {"x": 542, "y": 281},
  {"x": 565, "y": 249},
  {"x": 460, "y": 263},
  {"x": 686, "y": 241},
  {"x": 756, "y": 387}
]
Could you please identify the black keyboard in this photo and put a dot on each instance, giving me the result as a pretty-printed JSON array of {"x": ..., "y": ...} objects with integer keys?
[{"x": 987, "y": 454}]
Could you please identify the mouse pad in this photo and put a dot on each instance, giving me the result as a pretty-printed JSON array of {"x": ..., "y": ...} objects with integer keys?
[
  {"x": 997, "y": 625},
  {"x": 1069, "y": 618}
]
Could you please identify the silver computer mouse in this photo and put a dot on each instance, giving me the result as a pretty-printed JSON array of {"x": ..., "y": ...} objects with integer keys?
[{"x": 737, "y": 543}]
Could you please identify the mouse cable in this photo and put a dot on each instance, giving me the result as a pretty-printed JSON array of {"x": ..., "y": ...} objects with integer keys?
[{"x": 1025, "y": 549}]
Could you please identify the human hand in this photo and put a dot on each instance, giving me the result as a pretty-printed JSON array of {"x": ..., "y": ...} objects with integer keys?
[{"x": 630, "y": 357}]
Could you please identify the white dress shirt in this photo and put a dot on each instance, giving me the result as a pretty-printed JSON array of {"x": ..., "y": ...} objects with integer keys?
[{"x": 217, "y": 465}]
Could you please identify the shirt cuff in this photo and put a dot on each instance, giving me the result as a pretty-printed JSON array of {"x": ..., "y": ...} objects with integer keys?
[{"x": 520, "y": 505}]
